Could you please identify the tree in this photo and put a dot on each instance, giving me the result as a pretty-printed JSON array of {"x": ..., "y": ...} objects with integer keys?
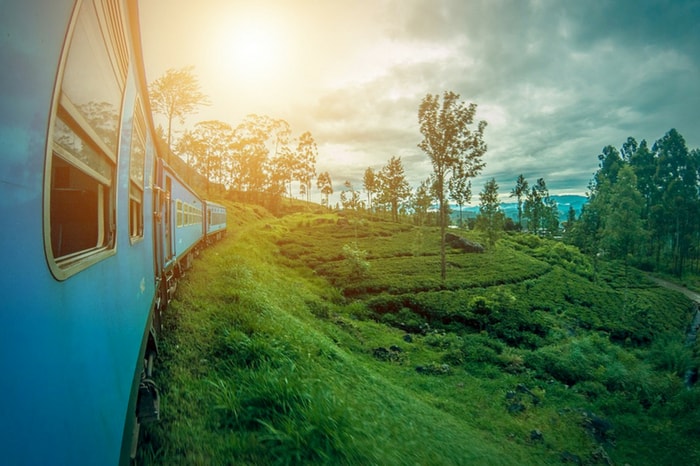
[
  {"x": 209, "y": 149},
  {"x": 369, "y": 181},
  {"x": 306, "y": 155},
  {"x": 677, "y": 181},
  {"x": 540, "y": 210},
  {"x": 392, "y": 186},
  {"x": 570, "y": 218},
  {"x": 448, "y": 141},
  {"x": 460, "y": 188},
  {"x": 422, "y": 200},
  {"x": 349, "y": 198},
  {"x": 519, "y": 192},
  {"x": 623, "y": 229},
  {"x": 325, "y": 185},
  {"x": 175, "y": 95},
  {"x": 491, "y": 218}
]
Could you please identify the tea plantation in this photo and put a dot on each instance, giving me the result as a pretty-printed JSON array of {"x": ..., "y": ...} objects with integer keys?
[{"x": 328, "y": 339}]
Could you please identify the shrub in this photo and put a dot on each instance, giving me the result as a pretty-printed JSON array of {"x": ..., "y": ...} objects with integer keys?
[
  {"x": 356, "y": 259},
  {"x": 669, "y": 353}
]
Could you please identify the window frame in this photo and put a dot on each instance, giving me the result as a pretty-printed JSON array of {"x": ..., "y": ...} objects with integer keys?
[
  {"x": 111, "y": 21},
  {"x": 137, "y": 186}
]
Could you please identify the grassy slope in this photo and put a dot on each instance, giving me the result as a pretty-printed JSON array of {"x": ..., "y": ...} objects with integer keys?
[{"x": 265, "y": 362}]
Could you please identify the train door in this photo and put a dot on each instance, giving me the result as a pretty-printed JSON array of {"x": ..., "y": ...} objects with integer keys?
[
  {"x": 158, "y": 218},
  {"x": 169, "y": 250}
]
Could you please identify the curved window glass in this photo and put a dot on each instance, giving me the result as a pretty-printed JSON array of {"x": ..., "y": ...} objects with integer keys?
[
  {"x": 136, "y": 173},
  {"x": 80, "y": 192}
]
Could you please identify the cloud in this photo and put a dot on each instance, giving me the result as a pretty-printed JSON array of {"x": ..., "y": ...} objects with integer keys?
[{"x": 556, "y": 81}]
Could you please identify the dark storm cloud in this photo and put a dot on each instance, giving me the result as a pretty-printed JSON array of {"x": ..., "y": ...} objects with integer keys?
[{"x": 570, "y": 77}]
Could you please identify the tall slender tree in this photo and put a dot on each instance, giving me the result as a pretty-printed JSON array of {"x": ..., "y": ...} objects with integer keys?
[
  {"x": 491, "y": 218},
  {"x": 519, "y": 192},
  {"x": 460, "y": 188},
  {"x": 623, "y": 228},
  {"x": 349, "y": 197},
  {"x": 448, "y": 140},
  {"x": 369, "y": 182},
  {"x": 306, "y": 154},
  {"x": 422, "y": 200},
  {"x": 392, "y": 186},
  {"x": 176, "y": 94},
  {"x": 677, "y": 181},
  {"x": 209, "y": 147},
  {"x": 325, "y": 185}
]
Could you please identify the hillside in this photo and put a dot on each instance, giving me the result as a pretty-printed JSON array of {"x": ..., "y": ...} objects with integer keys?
[{"x": 327, "y": 339}]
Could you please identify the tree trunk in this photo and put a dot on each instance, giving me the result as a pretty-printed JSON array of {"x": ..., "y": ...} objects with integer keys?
[{"x": 443, "y": 222}]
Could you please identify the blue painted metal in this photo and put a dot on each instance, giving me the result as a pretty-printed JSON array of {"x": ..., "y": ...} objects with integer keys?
[
  {"x": 215, "y": 218},
  {"x": 72, "y": 344},
  {"x": 71, "y": 348}
]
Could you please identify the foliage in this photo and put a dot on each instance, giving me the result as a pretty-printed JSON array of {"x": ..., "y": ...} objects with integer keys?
[
  {"x": 449, "y": 143},
  {"x": 391, "y": 186},
  {"x": 176, "y": 94},
  {"x": 271, "y": 357},
  {"x": 349, "y": 197},
  {"x": 325, "y": 185},
  {"x": 491, "y": 218},
  {"x": 306, "y": 154},
  {"x": 371, "y": 185},
  {"x": 541, "y": 210},
  {"x": 644, "y": 204},
  {"x": 356, "y": 260},
  {"x": 519, "y": 192}
]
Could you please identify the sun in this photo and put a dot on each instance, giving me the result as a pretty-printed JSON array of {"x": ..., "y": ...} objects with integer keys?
[{"x": 251, "y": 48}]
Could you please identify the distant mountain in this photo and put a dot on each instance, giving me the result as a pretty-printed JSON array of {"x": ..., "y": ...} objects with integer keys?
[{"x": 511, "y": 208}]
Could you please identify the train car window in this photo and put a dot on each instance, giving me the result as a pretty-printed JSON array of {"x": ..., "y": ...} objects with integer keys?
[
  {"x": 81, "y": 166},
  {"x": 178, "y": 210},
  {"x": 136, "y": 173}
]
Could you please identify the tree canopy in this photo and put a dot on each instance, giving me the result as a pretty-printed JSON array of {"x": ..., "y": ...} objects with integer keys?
[
  {"x": 450, "y": 142},
  {"x": 175, "y": 95}
]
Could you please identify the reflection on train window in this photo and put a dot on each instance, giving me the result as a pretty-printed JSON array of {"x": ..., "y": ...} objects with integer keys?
[
  {"x": 81, "y": 198},
  {"x": 136, "y": 173},
  {"x": 178, "y": 210}
]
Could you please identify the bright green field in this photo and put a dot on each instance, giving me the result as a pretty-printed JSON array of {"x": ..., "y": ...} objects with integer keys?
[{"x": 279, "y": 350}]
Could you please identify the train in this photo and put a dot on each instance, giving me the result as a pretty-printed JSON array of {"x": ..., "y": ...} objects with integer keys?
[{"x": 98, "y": 224}]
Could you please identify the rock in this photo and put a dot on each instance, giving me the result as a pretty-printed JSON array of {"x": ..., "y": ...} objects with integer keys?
[
  {"x": 391, "y": 354},
  {"x": 600, "y": 456},
  {"x": 598, "y": 427},
  {"x": 464, "y": 244},
  {"x": 567, "y": 457},
  {"x": 536, "y": 435},
  {"x": 434, "y": 369},
  {"x": 381, "y": 353},
  {"x": 515, "y": 408}
]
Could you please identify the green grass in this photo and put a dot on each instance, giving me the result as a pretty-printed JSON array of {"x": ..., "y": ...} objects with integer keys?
[{"x": 276, "y": 352}]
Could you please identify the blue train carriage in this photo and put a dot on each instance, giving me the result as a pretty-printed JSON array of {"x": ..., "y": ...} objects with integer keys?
[
  {"x": 188, "y": 225},
  {"x": 179, "y": 228},
  {"x": 215, "y": 219},
  {"x": 78, "y": 280}
]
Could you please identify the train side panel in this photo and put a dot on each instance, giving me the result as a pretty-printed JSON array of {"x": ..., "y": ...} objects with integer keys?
[
  {"x": 188, "y": 212},
  {"x": 77, "y": 238},
  {"x": 215, "y": 221}
]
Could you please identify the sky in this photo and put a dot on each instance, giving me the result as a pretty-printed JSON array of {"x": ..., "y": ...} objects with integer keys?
[{"x": 556, "y": 81}]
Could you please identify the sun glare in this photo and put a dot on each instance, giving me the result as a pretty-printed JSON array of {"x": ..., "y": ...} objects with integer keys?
[{"x": 251, "y": 49}]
